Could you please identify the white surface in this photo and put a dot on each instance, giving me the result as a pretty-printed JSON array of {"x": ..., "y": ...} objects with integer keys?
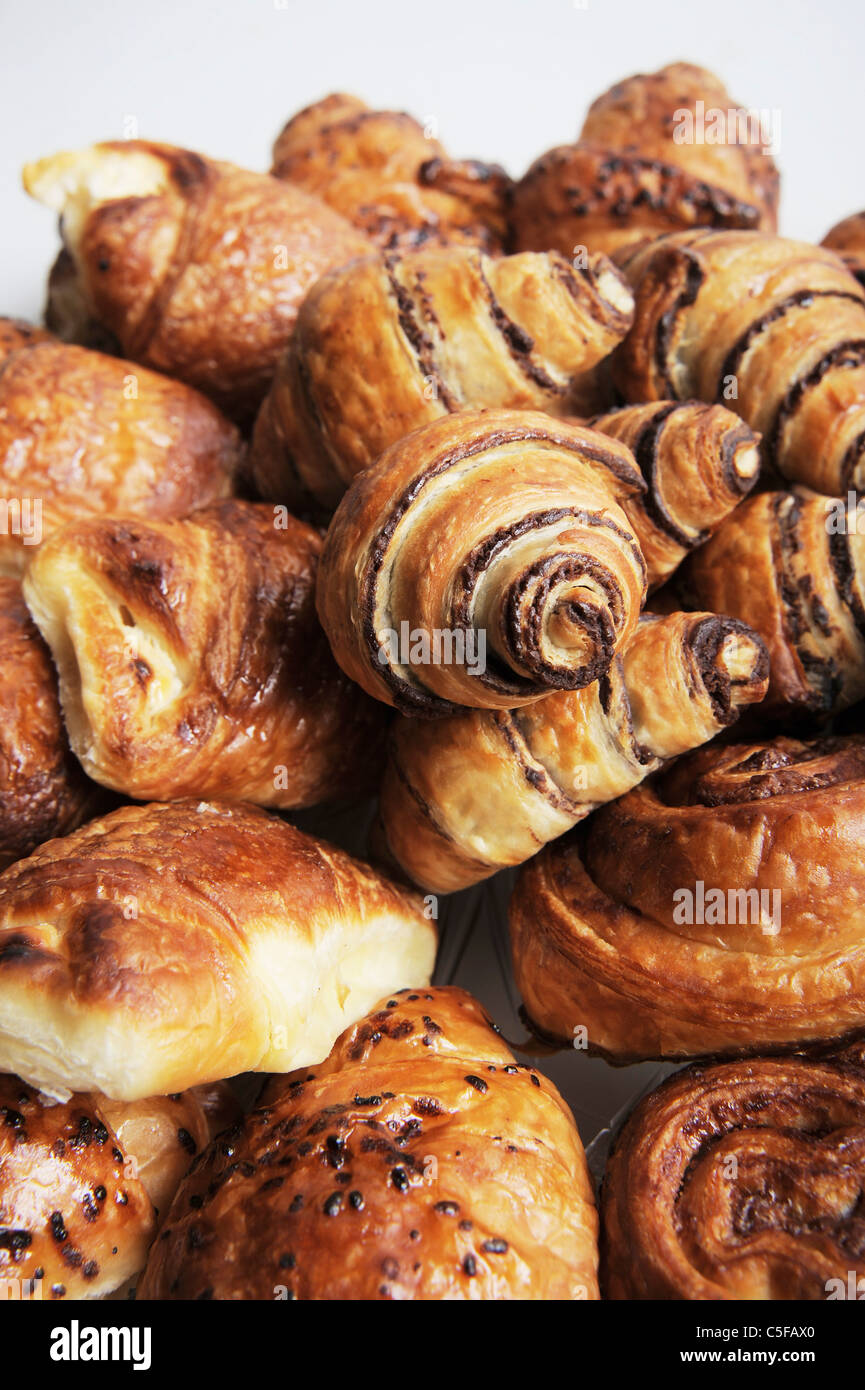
[{"x": 504, "y": 79}]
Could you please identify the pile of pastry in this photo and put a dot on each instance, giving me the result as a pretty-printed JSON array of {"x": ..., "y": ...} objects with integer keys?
[{"x": 384, "y": 475}]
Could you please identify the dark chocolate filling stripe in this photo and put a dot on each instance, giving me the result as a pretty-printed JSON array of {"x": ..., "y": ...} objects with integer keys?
[{"x": 843, "y": 355}]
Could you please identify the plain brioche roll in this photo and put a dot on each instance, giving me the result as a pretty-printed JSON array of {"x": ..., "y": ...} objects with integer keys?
[
  {"x": 419, "y": 1161},
  {"x": 170, "y": 945}
]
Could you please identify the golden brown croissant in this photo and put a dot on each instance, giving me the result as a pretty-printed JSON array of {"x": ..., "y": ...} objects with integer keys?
[
  {"x": 640, "y": 169},
  {"x": 195, "y": 266},
  {"x": 465, "y": 796},
  {"x": 42, "y": 789},
  {"x": 741, "y": 1181},
  {"x": 420, "y": 1161},
  {"x": 793, "y": 568},
  {"x": 192, "y": 662},
  {"x": 454, "y": 330},
  {"x": 698, "y": 461},
  {"x": 847, "y": 238},
  {"x": 386, "y": 175},
  {"x": 82, "y": 1182},
  {"x": 165, "y": 946},
  {"x": 715, "y": 909},
  {"x": 775, "y": 329},
  {"x": 83, "y": 434},
  {"x": 483, "y": 561}
]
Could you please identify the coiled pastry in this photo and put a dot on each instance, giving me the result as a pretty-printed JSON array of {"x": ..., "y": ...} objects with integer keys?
[
  {"x": 82, "y": 1182},
  {"x": 83, "y": 434},
  {"x": 640, "y": 169},
  {"x": 454, "y": 330},
  {"x": 165, "y": 946},
  {"x": 794, "y": 569},
  {"x": 192, "y": 662},
  {"x": 465, "y": 796},
  {"x": 698, "y": 461},
  {"x": 494, "y": 537},
  {"x": 420, "y": 1161},
  {"x": 195, "y": 266},
  {"x": 717, "y": 908},
  {"x": 847, "y": 238},
  {"x": 741, "y": 1181},
  {"x": 386, "y": 175},
  {"x": 772, "y": 328}
]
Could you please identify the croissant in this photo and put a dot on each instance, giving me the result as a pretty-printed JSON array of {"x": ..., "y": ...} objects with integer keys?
[
  {"x": 81, "y": 1182},
  {"x": 420, "y": 1161},
  {"x": 698, "y": 461},
  {"x": 740, "y": 1181},
  {"x": 483, "y": 561},
  {"x": 453, "y": 330},
  {"x": 471, "y": 794},
  {"x": 192, "y": 662},
  {"x": 715, "y": 909},
  {"x": 641, "y": 168},
  {"x": 195, "y": 266},
  {"x": 42, "y": 789},
  {"x": 773, "y": 328},
  {"x": 381, "y": 171},
  {"x": 847, "y": 238},
  {"x": 83, "y": 434},
  {"x": 794, "y": 569},
  {"x": 165, "y": 946}
]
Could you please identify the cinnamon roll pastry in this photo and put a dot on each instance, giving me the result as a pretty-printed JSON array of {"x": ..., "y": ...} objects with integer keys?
[
  {"x": 640, "y": 168},
  {"x": 166, "y": 946},
  {"x": 793, "y": 568},
  {"x": 483, "y": 561},
  {"x": 192, "y": 662},
  {"x": 698, "y": 461},
  {"x": 419, "y": 1161},
  {"x": 83, "y": 1181},
  {"x": 717, "y": 908},
  {"x": 382, "y": 172},
  {"x": 454, "y": 329},
  {"x": 83, "y": 434},
  {"x": 774, "y": 329},
  {"x": 740, "y": 1181},
  {"x": 43, "y": 791},
  {"x": 195, "y": 266},
  {"x": 466, "y": 796},
  {"x": 847, "y": 238}
]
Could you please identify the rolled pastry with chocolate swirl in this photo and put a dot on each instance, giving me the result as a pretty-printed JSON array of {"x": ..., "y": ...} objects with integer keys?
[
  {"x": 195, "y": 266},
  {"x": 418, "y": 1161},
  {"x": 639, "y": 168},
  {"x": 698, "y": 461},
  {"x": 794, "y": 569},
  {"x": 454, "y": 330},
  {"x": 741, "y": 1181},
  {"x": 483, "y": 561},
  {"x": 715, "y": 909},
  {"x": 772, "y": 328},
  {"x": 482, "y": 790},
  {"x": 192, "y": 662},
  {"x": 847, "y": 238},
  {"x": 382, "y": 171}
]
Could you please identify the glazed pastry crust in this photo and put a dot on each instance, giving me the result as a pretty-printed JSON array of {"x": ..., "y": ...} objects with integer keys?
[
  {"x": 192, "y": 662},
  {"x": 628, "y": 178},
  {"x": 165, "y": 946},
  {"x": 600, "y": 938},
  {"x": 454, "y": 330},
  {"x": 740, "y": 1181},
  {"x": 382, "y": 172},
  {"x": 435, "y": 1168},
  {"x": 196, "y": 267},
  {"x": 847, "y": 238},
  {"x": 501, "y": 523},
  {"x": 773, "y": 328}
]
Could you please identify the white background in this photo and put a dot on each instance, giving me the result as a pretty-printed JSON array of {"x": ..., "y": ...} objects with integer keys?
[{"x": 504, "y": 79}]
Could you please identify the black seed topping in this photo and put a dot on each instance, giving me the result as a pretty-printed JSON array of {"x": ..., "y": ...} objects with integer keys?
[
  {"x": 333, "y": 1204},
  {"x": 478, "y": 1083},
  {"x": 495, "y": 1246},
  {"x": 355, "y": 1199},
  {"x": 470, "y": 1266},
  {"x": 399, "y": 1178},
  {"x": 58, "y": 1228},
  {"x": 447, "y": 1208}
]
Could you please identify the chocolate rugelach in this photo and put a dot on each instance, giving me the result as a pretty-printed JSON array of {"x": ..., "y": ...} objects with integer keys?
[{"x": 847, "y": 238}]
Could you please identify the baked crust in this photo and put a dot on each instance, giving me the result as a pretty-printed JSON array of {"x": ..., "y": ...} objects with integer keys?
[{"x": 847, "y": 238}]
